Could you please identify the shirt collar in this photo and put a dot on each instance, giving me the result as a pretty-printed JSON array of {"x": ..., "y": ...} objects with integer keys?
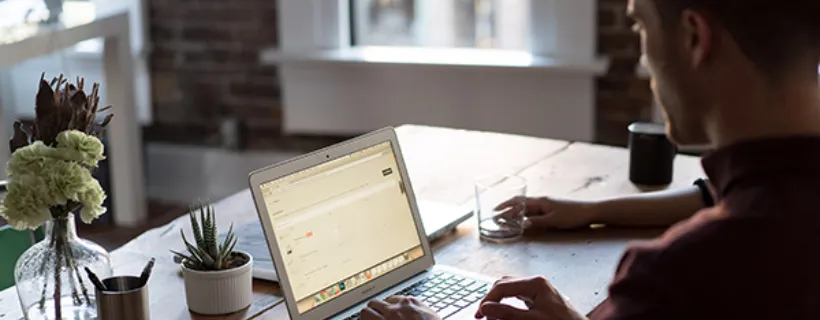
[{"x": 728, "y": 165}]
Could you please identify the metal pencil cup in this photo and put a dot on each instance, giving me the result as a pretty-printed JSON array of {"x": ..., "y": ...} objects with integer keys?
[{"x": 125, "y": 298}]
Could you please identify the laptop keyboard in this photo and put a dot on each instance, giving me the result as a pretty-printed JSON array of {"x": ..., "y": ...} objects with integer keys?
[{"x": 446, "y": 293}]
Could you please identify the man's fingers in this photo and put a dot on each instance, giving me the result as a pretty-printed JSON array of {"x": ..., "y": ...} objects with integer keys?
[
  {"x": 510, "y": 203},
  {"x": 527, "y": 206},
  {"x": 526, "y": 288},
  {"x": 545, "y": 221},
  {"x": 511, "y": 212},
  {"x": 401, "y": 299},
  {"x": 370, "y": 314},
  {"x": 527, "y": 301},
  {"x": 504, "y": 278},
  {"x": 494, "y": 310},
  {"x": 378, "y": 305}
]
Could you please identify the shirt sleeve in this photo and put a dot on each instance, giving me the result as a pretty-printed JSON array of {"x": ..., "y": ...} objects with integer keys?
[
  {"x": 656, "y": 279},
  {"x": 639, "y": 291}
]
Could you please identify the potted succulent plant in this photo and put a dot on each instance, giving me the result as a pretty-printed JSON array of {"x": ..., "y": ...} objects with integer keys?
[{"x": 218, "y": 279}]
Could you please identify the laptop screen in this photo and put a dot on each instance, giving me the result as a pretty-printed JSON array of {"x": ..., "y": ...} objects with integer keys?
[{"x": 341, "y": 224}]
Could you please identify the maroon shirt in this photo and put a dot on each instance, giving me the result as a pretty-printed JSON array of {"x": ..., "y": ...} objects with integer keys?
[{"x": 754, "y": 255}]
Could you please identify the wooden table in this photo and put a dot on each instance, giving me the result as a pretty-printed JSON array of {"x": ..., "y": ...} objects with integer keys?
[{"x": 442, "y": 164}]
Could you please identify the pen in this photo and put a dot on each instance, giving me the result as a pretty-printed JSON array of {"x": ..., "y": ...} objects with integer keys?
[
  {"x": 94, "y": 280},
  {"x": 146, "y": 272}
]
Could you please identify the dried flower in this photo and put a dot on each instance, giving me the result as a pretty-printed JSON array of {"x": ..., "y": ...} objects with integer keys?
[{"x": 61, "y": 106}]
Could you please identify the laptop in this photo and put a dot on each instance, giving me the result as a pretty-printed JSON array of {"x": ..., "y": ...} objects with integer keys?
[
  {"x": 437, "y": 218},
  {"x": 343, "y": 228}
]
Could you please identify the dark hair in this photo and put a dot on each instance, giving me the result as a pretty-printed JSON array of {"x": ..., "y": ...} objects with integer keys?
[{"x": 773, "y": 34}]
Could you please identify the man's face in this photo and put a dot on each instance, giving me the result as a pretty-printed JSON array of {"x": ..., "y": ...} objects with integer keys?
[{"x": 674, "y": 82}]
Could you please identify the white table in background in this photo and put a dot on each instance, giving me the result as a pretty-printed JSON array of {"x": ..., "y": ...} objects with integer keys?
[{"x": 124, "y": 136}]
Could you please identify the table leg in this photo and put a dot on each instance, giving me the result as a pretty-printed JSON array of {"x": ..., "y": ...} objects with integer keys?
[{"x": 124, "y": 134}]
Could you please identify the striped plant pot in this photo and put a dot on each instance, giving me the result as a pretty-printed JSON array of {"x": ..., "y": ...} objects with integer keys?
[{"x": 219, "y": 292}]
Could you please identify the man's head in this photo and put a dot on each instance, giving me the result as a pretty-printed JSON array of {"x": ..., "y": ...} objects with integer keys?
[{"x": 701, "y": 51}]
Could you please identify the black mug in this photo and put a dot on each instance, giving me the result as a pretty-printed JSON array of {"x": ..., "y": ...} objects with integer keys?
[{"x": 651, "y": 154}]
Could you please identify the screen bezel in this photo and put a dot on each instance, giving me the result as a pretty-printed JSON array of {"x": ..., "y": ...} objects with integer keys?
[{"x": 357, "y": 295}]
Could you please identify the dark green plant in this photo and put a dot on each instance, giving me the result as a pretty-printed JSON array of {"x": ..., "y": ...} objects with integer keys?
[{"x": 207, "y": 254}]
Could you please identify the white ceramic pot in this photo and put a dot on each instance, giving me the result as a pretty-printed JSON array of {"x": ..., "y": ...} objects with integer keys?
[{"x": 219, "y": 292}]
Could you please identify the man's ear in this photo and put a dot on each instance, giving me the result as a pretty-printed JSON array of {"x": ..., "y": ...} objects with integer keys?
[{"x": 697, "y": 36}]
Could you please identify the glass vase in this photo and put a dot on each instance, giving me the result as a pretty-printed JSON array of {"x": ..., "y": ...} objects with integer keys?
[{"x": 50, "y": 276}]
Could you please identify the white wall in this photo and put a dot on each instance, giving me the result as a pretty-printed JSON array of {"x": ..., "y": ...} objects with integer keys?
[
  {"x": 184, "y": 174},
  {"x": 337, "y": 98},
  {"x": 329, "y": 97}
]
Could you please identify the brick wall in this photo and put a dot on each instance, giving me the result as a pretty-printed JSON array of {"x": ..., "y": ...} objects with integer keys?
[
  {"x": 622, "y": 97},
  {"x": 205, "y": 69}
]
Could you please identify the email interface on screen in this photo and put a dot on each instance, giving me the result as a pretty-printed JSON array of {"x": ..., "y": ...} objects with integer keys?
[{"x": 341, "y": 224}]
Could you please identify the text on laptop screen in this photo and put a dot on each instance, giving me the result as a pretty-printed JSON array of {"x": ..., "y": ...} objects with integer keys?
[{"x": 341, "y": 224}]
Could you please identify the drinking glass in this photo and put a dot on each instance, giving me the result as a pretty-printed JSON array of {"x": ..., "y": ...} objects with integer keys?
[{"x": 507, "y": 222}]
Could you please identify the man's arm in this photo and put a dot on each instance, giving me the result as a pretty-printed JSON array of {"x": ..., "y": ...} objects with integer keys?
[
  {"x": 652, "y": 209},
  {"x": 660, "y": 208}
]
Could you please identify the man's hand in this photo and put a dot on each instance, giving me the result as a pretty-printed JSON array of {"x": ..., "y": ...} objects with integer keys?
[
  {"x": 398, "y": 307},
  {"x": 543, "y": 301},
  {"x": 546, "y": 213}
]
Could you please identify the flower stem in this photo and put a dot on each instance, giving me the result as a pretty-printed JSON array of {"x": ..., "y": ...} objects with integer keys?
[
  {"x": 73, "y": 266},
  {"x": 45, "y": 283},
  {"x": 75, "y": 295},
  {"x": 58, "y": 246}
]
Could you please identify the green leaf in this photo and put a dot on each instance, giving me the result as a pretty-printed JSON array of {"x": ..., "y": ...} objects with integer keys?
[
  {"x": 227, "y": 239},
  {"x": 200, "y": 256},
  {"x": 207, "y": 260},
  {"x": 227, "y": 246},
  {"x": 230, "y": 249},
  {"x": 224, "y": 251},
  {"x": 218, "y": 264},
  {"x": 202, "y": 218},
  {"x": 187, "y": 244},
  {"x": 195, "y": 227},
  {"x": 184, "y": 257},
  {"x": 212, "y": 236},
  {"x": 215, "y": 244},
  {"x": 205, "y": 221}
]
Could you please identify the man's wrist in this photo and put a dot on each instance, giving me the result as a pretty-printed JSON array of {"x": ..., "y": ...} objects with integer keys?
[{"x": 596, "y": 211}]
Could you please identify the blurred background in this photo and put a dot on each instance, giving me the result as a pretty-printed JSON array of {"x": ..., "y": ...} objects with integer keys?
[{"x": 223, "y": 87}]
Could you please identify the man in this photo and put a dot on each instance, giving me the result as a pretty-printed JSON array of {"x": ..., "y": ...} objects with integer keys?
[{"x": 741, "y": 75}]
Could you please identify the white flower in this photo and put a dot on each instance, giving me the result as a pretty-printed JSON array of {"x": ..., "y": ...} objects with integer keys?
[{"x": 43, "y": 177}]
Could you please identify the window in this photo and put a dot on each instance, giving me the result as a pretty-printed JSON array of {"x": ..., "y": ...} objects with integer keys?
[
  {"x": 496, "y": 24},
  {"x": 16, "y": 14},
  {"x": 20, "y": 19}
]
